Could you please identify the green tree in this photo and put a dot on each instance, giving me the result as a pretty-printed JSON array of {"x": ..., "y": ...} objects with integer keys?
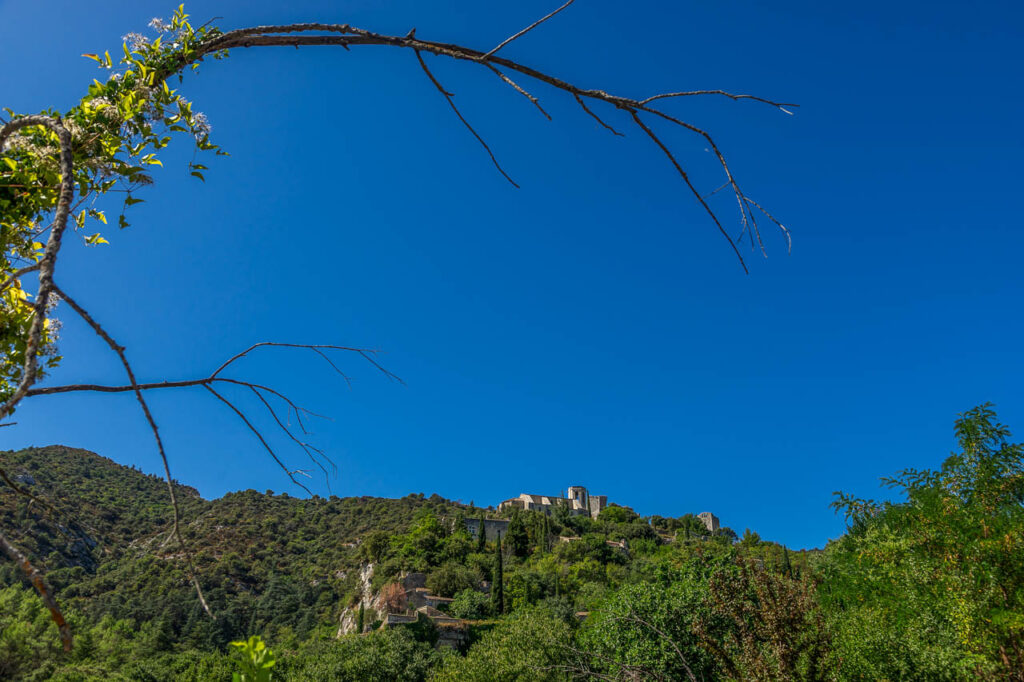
[
  {"x": 450, "y": 578},
  {"x": 383, "y": 656},
  {"x": 498, "y": 581},
  {"x": 374, "y": 546},
  {"x": 471, "y": 604},
  {"x": 481, "y": 537},
  {"x": 516, "y": 537},
  {"x": 933, "y": 586},
  {"x": 647, "y": 630},
  {"x": 750, "y": 539},
  {"x": 530, "y": 646}
]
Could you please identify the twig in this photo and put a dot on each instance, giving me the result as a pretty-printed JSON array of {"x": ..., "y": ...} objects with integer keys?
[
  {"x": 259, "y": 435},
  {"x": 686, "y": 179},
  {"x": 785, "y": 230},
  {"x": 596, "y": 117},
  {"x": 527, "y": 29},
  {"x": 310, "y": 346},
  {"x": 448, "y": 98},
  {"x": 520, "y": 90},
  {"x": 692, "y": 93},
  {"x": 309, "y": 449}
]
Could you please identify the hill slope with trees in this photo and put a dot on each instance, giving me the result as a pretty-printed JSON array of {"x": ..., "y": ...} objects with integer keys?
[{"x": 929, "y": 586}]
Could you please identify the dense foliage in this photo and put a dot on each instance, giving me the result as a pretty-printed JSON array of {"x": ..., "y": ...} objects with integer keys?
[
  {"x": 925, "y": 586},
  {"x": 118, "y": 129}
]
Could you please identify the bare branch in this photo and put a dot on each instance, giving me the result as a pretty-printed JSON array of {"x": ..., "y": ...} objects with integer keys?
[
  {"x": 596, "y": 117},
  {"x": 520, "y": 90},
  {"x": 259, "y": 435},
  {"x": 448, "y": 97},
  {"x": 744, "y": 210},
  {"x": 365, "y": 352},
  {"x": 686, "y": 179},
  {"x": 309, "y": 449},
  {"x": 692, "y": 93},
  {"x": 259, "y": 389},
  {"x": 119, "y": 350},
  {"x": 39, "y": 582},
  {"x": 785, "y": 230},
  {"x": 346, "y": 36},
  {"x": 527, "y": 29}
]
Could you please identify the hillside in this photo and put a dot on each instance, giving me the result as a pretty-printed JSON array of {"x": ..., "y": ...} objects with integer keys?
[
  {"x": 273, "y": 564},
  {"x": 376, "y": 589}
]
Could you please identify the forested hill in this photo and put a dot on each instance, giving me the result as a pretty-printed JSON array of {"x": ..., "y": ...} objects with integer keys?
[
  {"x": 112, "y": 509},
  {"x": 276, "y": 565},
  {"x": 930, "y": 587},
  {"x": 266, "y": 562}
]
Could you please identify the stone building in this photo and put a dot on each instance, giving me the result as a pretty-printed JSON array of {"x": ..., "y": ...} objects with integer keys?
[
  {"x": 493, "y": 528},
  {"x": 710, "y": 521},
  {"x": 578, "y": 501}
]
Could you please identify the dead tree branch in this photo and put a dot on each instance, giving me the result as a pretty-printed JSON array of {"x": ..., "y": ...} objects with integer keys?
[
  {"x": 260, "y": 390},
  {"x": 448, "y": 96},
  {"x": 119, "y": 350},
  {"x": 527, "y": 29},
  {"x": 345, "y": 35},
  {"x": 39, "y": 582}
]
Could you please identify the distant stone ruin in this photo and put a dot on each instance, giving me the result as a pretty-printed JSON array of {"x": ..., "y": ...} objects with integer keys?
[
  {"x": 578, "y": 501},
  {"x": 710, "y": 521}
]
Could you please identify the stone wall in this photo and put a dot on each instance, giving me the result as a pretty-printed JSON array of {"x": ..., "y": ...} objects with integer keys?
[{"x": 493, "y": 528}]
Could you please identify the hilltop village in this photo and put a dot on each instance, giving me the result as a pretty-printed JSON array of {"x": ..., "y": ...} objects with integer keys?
[
  {"x": 408, "y": 598},
  {"x": 577, "y": 500}
]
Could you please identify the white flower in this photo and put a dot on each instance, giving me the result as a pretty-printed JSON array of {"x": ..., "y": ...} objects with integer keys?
[
  {"x": 200, "y": 125},
  {"x": 158, "y": 24},
  {"x": 134, "y": 40}
]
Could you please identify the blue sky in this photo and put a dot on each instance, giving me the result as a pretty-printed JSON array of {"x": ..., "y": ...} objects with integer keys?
[{"x": 592, "y": 327}]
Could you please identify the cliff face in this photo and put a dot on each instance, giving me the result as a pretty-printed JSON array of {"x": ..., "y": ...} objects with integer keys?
[{"x": 373, "y": 608}]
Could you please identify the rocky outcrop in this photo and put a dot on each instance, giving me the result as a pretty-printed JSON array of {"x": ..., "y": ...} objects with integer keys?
[{"x": 348, "y": 622}]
